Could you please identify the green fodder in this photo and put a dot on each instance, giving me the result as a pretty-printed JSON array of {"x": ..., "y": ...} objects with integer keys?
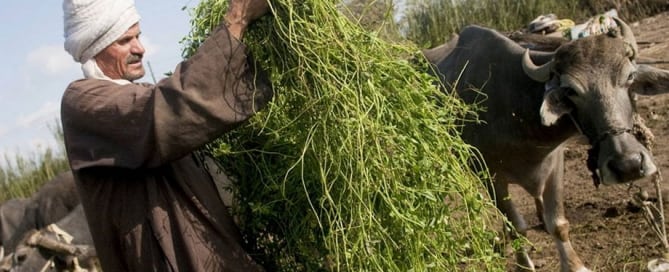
[{"x": 357, "y": 164}]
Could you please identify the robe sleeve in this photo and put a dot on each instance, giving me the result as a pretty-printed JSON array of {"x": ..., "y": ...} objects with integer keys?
[{"x": 143, "y": 125}]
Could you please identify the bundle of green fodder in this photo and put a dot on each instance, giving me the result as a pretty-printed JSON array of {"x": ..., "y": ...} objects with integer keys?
[{"x": 357, "y": 164}]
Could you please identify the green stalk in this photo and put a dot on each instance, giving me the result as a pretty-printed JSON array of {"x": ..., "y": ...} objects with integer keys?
[{"x": 357, "y": 164}]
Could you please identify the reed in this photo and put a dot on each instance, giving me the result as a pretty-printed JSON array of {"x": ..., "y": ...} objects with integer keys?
[{"x": 22, "y": 174}]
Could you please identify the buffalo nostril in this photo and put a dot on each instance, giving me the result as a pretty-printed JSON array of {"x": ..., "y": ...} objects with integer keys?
[{"x": 628, "y": 167}]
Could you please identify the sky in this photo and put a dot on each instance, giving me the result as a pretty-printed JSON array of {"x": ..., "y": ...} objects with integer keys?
[{"x": 36, "y": 69}]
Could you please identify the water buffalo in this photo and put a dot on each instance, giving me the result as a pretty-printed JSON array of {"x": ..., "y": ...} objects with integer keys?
[
  {"x": 51, "y": 202},
  {"x": 66, "y": 245},
  {"x": 11, "y": 214},
  {"x": 533, "y": 102}
]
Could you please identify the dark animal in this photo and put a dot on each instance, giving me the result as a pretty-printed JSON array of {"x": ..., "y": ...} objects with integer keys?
[
  {"x": 438, "y": 53},
  {"x": 53, "y": 201},
  {"x": 11, "y": 214},
  {"x": 66, "y": 245},
  {"x": 534, "y": 102}
]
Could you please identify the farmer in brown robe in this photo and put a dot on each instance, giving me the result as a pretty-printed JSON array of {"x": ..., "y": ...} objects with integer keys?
[{"x": 149, "y": 203}]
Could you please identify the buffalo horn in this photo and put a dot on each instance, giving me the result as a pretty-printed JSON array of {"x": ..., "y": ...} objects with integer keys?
[
  {"x": 627, "y": 35},
  {"x": 538, "y": 73},
  {"x": 40, "y": 240}
]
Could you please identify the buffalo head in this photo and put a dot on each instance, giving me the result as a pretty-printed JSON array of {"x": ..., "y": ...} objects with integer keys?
[
  {"x": 49, "y": 249},
  {"x": 591, "y": 80}
]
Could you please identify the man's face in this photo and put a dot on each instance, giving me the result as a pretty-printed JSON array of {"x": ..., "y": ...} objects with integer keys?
[{"x": 123, "y": 58}]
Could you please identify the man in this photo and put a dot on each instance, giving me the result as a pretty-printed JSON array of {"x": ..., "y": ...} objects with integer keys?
[{"x": 149, "y": 203}]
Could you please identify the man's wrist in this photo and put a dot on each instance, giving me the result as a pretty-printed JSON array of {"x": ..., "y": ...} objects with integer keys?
[
  {"x": 235, "y": 25},
  {"x": 236, "y": 30}
]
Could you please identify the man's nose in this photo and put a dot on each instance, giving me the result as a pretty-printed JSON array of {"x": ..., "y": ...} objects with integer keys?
[{"x": 137, "y": 47}]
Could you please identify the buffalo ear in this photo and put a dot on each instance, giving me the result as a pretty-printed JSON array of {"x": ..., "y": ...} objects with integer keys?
[
  {"x": 554, "y": 106},
  {"x": 650, "y": 81}
]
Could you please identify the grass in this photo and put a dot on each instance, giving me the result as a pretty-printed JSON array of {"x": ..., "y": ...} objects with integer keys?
[{"x": 22, "y": 175}]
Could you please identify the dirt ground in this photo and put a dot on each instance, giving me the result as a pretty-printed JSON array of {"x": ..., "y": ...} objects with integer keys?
[{"x": 608, "y": 232}]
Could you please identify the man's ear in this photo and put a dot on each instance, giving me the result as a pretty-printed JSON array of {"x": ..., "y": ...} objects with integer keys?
[
  {"x": 650, "y": 81},
  {"x": 554, "y": 106}
]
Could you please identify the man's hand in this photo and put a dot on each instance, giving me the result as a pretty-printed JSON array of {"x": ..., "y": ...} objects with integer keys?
[{"x": 242, "y": 12}]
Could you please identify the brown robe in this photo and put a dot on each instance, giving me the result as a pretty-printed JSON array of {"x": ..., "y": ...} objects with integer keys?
[{"x": 150, "y": 204}]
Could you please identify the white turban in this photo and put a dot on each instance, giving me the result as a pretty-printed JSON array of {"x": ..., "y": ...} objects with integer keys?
[{"x": 92, "y": 25}]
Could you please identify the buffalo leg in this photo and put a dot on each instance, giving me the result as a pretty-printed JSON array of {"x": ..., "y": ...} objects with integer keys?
[
  {"x": 506, "y": 206},
  {"x": 556, "y": 223},
  {"x": 539, "y": 207}
]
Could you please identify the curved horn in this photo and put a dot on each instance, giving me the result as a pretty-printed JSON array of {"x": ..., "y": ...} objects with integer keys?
[
  {"x": 49, "y": 243},
  {"x": 627, "y": 35},
  {"x": 538, "y": 73},
  {"x": 6, "y": 262}
]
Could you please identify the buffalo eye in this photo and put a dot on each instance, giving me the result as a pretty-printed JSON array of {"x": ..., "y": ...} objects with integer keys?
[
  {"x": 569, "y": 92},
  {"x": 19, "y": 258},
  {"x": 631, "y": 77}
]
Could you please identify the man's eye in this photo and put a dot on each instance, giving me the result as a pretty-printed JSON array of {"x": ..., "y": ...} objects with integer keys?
[
  {"x": 124, "y": 41},
  {"x": 631, "y": 77}
]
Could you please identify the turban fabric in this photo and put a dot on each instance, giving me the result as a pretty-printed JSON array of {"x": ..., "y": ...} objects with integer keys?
[{"x": 92, "y": 25}]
